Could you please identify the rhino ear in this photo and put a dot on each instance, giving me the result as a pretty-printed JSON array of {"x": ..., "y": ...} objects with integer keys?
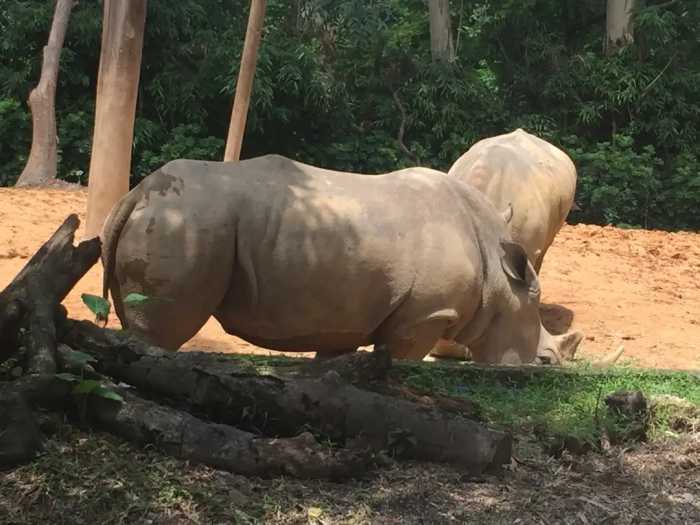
[
  {"x": 516, "y": 265},
  {"x": 507, "y": 214}
]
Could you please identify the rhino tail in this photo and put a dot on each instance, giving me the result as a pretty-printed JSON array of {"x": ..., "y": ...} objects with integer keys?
[{"x": 111, "y": 231}]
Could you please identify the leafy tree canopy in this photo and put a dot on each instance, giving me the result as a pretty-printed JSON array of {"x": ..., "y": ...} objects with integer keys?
[{"x": 330, "y": 74}]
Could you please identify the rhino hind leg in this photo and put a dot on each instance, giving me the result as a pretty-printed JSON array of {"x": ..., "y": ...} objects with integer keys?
[
  {"x": 177, "y": 308},
  {"x": 166, "y": 328},
  {"x": 446, "y": 349}
]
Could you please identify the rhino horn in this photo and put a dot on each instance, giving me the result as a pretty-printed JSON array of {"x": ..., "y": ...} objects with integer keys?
[{"x": 610, "y": 359}]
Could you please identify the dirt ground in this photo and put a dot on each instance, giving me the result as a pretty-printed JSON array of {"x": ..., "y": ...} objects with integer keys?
[
  {"x": 84, "y": 479},
  {"x": 633, "y": 287}
]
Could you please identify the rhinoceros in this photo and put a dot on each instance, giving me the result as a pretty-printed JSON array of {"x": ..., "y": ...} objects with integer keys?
[
  {"x": 297, "y": 258},
  {"x": 531, "y": 179}
]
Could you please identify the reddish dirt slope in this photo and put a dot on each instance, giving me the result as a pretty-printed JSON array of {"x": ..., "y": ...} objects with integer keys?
[{"x": 637, "y": 288}]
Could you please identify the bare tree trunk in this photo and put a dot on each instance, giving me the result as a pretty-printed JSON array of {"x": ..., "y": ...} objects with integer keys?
[
  {"x": 619, "y": 29},
  {"x": 41, "y": 165},
  {"x": 123, "y": 24},
  {"x": 441, "y": 46},
  {"x": 245, "y": 80}
]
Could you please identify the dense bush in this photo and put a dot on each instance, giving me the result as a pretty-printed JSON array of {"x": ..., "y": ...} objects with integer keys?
[{"x": 332, "y": 74}]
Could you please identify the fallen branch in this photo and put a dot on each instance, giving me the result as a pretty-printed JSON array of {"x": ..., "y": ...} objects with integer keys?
[
  {"x": 182, "y": 435},
  {"x": 230, "y": 392}
]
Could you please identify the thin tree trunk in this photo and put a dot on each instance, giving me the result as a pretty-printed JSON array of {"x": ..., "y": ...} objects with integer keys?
[
  {"x": 244, "y": 84},
  {"x": 619, "y": 29},
  {"x": 441, "y": 46},
  {"x": 41, "y": 165},
  {"x": 123, "y": 25}
]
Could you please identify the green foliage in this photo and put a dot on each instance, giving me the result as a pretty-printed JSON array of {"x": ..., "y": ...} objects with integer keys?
[
  {"x": 77, "y": 360},
  {"x": 136, "y": 299},
  {"x": 618, "y": 183},
  {"x": 187, "y": 141},
  {"x": 95, "y": 387},
  {"x": 84, "y": 387},
  {"x": 97, "y": 305},
  {"x": 329, "y": 74},
  {"x": 568, "y": 404},
  {"x": 14, "y": 122}
]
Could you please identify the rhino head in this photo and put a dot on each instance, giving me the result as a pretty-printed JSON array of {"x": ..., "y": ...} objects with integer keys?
[{"x": 514, "y": 333}]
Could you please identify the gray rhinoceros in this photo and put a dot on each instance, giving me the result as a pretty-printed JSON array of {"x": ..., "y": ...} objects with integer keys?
[
  {"x": 297, "y": 258},
  {"x": 534, "y": 177}
]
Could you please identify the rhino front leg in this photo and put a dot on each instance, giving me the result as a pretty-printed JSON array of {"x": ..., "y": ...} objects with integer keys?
[
  {"x": 449, "y": 349},
  {"x": 415, "y": 341}
]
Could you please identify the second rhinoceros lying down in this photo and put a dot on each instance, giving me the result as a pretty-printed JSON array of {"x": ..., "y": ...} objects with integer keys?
[{"x": 297, "y": 258}]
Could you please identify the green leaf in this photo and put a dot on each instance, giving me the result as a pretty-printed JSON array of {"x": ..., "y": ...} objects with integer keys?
[
  {"x": 77, "y": 359},
  {"x": 65, "y": 376},
  {"x": 86, "y": 386},
  {"x": 136, "y": 299},
  {"x": 97, "y": 305},
  {"x": 314, "y": 512},
  {"x": 108, "y": 393}
]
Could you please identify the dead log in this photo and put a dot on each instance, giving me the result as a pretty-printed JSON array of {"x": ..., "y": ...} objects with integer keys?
[
  {"x": 33, "y": 297},
  {"x": 182, "y": 435},
  {"x": 230, "y": 392},
  {"x": 20, "y": 433},
  {"x": 20, "y": 436},
  {"x": 29, "y": 307}
]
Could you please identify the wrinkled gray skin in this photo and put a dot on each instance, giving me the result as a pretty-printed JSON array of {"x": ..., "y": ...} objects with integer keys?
[
  {"x": 296, "y": 258},
  {"x": 534, "y": 177}
]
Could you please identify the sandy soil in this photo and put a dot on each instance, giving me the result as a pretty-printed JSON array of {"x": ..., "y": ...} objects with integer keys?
[{"x": 637, "y": 288}]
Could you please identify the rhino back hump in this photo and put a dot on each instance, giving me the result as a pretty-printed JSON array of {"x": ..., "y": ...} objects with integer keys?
[
  {"x": 323, "y": 252},
  {"x": 538, "y": 179}
]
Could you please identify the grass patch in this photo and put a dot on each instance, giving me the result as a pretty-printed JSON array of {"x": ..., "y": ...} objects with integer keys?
[
  {"x": 82, "y": 476},
  {"x": 568, "y": 403}
]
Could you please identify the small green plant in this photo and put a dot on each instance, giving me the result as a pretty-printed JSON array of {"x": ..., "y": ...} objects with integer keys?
[
  {"x": 101, "y": 306},
  {"x": 97, "y": 305},
  {"x": 136, "y": 299},
  {"x": 81, "y": 362}
]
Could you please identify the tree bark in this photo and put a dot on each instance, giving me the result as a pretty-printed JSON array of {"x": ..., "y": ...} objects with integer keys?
[
  {"x": 441, "y": 46},
  {"x": 123, "y": 25},
  {"x": 402, "y": 129},
  {"x": 32, "y": 301},
  {"x": 42, "y": 162},
  {"x": 185, "y": 436},
  {"x": 619, "y": 27},
  {"x": 244, "y": 85},
  {"x": 278, "y": 404},
  {"x": 34, "y": 295}
]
